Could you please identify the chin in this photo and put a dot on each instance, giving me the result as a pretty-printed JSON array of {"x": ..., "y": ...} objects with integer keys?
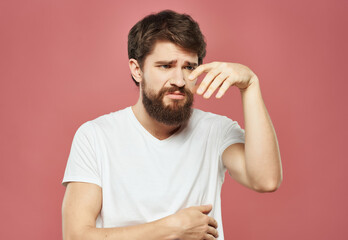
[
  {"x": 175, "y": 104},
  {"x": 169, "y": 101}
]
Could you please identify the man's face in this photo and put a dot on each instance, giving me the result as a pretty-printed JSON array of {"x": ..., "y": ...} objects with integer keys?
[{"x": 166, "y": 91}]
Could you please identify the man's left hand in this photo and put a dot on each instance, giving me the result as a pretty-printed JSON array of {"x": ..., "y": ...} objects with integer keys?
[{"x": 222, "y": 75}]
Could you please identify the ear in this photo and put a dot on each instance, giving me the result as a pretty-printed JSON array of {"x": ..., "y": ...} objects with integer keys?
[{"x": 135, "y": 70}]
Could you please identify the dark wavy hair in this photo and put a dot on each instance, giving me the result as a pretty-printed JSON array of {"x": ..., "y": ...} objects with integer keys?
[{"x": 179, "y": 29}]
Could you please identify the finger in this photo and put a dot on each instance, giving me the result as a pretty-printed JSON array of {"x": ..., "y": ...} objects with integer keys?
[
  {"x": 212, "y": 222},
  {"x": 215, "y": 84},
  {"x": 209, "y": 237},
  {"x": 207, "y": 80},
  {"x": 227, "y": 83},
  {"x": 212, "y": 231},
  {"x": 199, "y": 70},
  {"x": 205, "y": 208}
]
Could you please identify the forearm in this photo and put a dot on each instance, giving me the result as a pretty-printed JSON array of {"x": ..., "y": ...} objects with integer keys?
[
  {"x": 263, "y": 163},
  {"x": 82, "y": 203},
  {"x": 157, "y": 230}
]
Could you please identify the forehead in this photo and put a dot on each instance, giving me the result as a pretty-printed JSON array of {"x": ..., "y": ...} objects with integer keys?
[{"x": 168, "y": 51}]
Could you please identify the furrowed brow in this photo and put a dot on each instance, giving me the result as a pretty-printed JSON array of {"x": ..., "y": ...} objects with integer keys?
[
  {"x": 165, "y": 62},
  {"x": 193, "y": 64}
]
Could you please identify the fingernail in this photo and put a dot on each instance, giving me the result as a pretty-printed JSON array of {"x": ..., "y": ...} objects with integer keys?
[
  {"x": 207, "y": 94},
  {"x": 199, "y": 90},
  {"x": 190, "y": 77}
]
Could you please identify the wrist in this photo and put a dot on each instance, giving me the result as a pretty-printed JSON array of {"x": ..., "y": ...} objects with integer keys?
[
  {"x": 254, "y": 85},
  {"x": 170, "y": 227}
]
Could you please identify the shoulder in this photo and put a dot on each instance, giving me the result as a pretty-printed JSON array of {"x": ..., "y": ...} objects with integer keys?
[
  {"x": 212, "y": 120},
  {"x": 198, "y": 113},
  {"x": 105, "y": 122},
  {"x": 200, "y": 116},
  {"x": 112, "y": 118}
]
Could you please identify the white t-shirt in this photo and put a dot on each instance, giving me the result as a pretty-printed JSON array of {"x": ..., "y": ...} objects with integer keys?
[{"x": 143, "y": 178}]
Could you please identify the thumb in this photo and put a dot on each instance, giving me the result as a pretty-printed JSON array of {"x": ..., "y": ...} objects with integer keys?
[{"x": 205, "y": 208}]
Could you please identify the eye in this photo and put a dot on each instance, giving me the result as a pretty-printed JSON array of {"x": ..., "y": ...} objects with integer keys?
[
  {"x": 190, "y": 68},
  {"x": 164, "y": 66}
]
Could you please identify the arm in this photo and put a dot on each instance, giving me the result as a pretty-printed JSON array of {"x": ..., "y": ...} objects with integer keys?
[
  {"x": 256, "y": 165},
  {"x": 82, "y": 204}
]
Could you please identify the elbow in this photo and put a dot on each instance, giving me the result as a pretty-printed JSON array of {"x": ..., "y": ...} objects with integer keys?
[
  {"x": 270, "y": 186},
  {"x": 78, "y": 234},
  {"x": 70, "y": 236},
  {"x": 73, "y": 237}
]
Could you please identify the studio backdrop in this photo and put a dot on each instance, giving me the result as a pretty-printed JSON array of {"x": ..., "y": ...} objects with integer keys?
[{"x": 63, "y": 63}]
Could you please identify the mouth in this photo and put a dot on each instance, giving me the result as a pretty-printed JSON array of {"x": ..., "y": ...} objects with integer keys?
[{"x": 176, "y": 95}]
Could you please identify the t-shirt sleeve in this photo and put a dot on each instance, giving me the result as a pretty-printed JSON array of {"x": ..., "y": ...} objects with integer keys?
[
  {"x": 82, "y": 165},
  {"x": 230, "y": 133}
]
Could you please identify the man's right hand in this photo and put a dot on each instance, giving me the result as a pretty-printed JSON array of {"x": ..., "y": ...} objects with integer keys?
[{"x": 193, "y": 223}]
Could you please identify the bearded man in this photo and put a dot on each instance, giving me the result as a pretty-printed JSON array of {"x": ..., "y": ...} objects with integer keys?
[{"x": 155, "y": 170}]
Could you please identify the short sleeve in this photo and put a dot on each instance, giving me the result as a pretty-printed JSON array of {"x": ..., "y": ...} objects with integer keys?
[
  {"x": 230, "y": 133},
  {"x": 82, "y": 165}
]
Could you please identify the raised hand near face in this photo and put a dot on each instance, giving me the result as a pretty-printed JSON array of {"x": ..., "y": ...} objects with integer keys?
[{"x": 222, "y": 75}]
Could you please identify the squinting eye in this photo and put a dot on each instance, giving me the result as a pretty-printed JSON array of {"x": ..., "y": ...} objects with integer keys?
[
  {"x": 189, "y": 68},
  {"x": 165, "y": 66}
]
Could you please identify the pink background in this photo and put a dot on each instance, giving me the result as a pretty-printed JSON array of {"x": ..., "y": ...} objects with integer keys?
[{"x": 65, "y": 62}]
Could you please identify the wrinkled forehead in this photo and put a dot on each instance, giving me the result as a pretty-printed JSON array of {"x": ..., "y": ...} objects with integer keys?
[{"x": 168, "y": 51}]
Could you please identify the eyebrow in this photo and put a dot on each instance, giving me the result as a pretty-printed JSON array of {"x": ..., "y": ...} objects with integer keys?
[{"x": 174, "y": 61}]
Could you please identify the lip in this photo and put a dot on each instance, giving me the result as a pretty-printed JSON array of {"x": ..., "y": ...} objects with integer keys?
[{"x": 176, "y": 95}]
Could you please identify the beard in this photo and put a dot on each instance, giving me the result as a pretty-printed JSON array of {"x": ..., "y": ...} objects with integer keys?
[{"x": 177, "y": 111}]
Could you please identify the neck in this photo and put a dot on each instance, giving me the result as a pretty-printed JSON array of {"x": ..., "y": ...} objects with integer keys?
[{"x": 155, "y": 128}]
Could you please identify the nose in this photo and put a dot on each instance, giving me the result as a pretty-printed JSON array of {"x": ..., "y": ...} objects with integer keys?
[{"x": 178, "y": 78}]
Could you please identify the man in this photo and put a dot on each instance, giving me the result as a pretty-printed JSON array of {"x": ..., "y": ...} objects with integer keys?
[{"x": 155, "y": 170}]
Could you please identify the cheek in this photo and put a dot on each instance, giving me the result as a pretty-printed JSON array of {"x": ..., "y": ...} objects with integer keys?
[
  {"x": 159, "y": 76},
  {"x": 191, "y": 87},
  {"x": 191, "y": 84},
  {"x": 154, "y": 79}
]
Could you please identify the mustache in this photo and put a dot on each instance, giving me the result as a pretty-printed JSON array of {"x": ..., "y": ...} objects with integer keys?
[
  {"x": 176, "y": 89},
  {"x": 167, "y": 90}
]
